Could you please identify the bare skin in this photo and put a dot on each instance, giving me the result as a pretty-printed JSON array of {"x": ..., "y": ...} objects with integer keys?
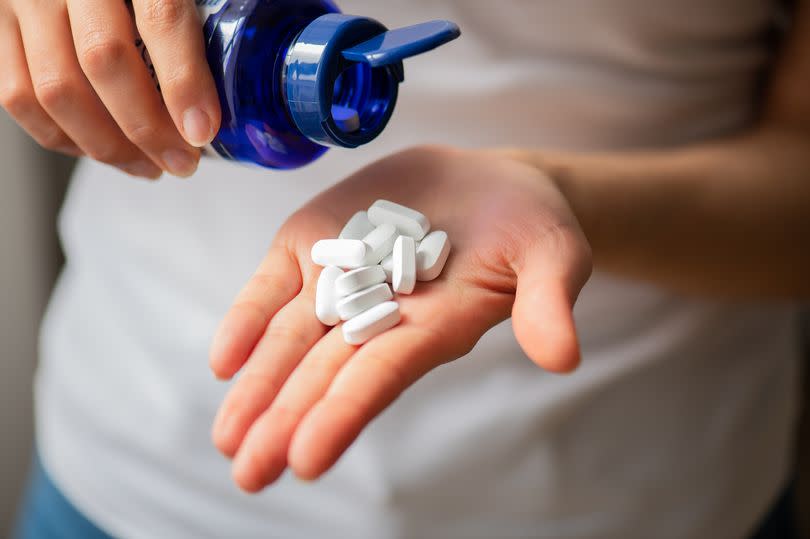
[
  {"x": 725, "y": 218},
  {"x": 304, "y": 394},
  {"x": 73, "y": 79}
]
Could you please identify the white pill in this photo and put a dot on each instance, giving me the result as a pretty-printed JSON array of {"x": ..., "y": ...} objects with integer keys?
[
  {"x": 432, "y": 255},
  {"x": 408, "y": 222},
  {"x": 357, "y": 227},
  {"x": 351, "y": 306},
  {"x": 371, "y": 323},
  {"x": 403, "y": 275},
  {"x": 326, "y": 297},
  {"x": 387, "y": 265},
  {"x": 358, "y": 279},
  {"x": 379, "y": 243},
  {"x": 342, "y": 253},
  {"x": 346, "y": 118}
]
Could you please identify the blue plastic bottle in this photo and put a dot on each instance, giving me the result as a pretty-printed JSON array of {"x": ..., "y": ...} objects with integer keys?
[{"x": 295, "y": 76}]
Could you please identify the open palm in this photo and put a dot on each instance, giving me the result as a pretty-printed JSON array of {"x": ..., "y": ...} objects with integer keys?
[{"x": 304, "y": 395}]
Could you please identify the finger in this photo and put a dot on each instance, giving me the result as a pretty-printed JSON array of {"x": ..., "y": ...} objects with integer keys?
[
  {"x": 262, "y": 456},
  {"x": 173, "y": 35},
  {"x": 64, "y": 93},
  {"x": 439, "y": 326},
  {"x": 104, "y": 37},
  {"x": 549, "y": 280},
  {"x": 275, "y": 283},
  {"x": 289, "y": 336},
  {"x": 279, "y": 278},
  {"x": 17, "y": 94},
  {"x": 375, "y": 376}
]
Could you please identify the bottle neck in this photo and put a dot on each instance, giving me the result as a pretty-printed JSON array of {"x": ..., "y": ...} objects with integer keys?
[
  {"x": 334, "y": 101},
  {"x": 342, "y": 74}
]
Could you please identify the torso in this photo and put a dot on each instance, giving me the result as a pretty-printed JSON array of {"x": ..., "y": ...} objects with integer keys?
[{"x": 677, "y": 423}]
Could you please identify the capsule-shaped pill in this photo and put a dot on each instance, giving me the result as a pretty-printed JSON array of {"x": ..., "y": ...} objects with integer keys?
[
  {"x": 341, "y": 253},
  {"x": 407, "y": 221},
  {"x": 387, "y": 264},
  {"x": 357, "y": 227},
  {"x": 371, "y": 323},
  {"x": 326, "y": 297},
  {"x": 403, "y": 274},
  {"x": 431, "y": 255},
  {"x": 352, "y": 305},
  {"x": 379, "y": 243},
  {"x": 358, "y": 279}
]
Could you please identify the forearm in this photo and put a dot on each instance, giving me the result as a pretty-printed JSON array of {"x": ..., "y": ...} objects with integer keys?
[{"x": 725, "y": 218}]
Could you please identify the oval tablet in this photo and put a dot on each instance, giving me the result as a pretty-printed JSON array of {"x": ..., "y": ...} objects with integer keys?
[
  {"x": 358, "y": 279},
  {"x": 408, "y": 222},
  {"x": 387, "y": 264},
  {"x": 342, "y": 253},
  {"x": 351, "y": 306},
  {"x": 379, "y": 243},
  {"x": 432, "y": 255},
  {"x": 357, "y": 227},
  {"x": 325, "y": 296},
  {"x": 371, "y": 323},
  {"x": 403, "y": 275}
]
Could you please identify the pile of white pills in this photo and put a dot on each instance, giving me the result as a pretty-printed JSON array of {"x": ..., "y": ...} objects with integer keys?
[{"x": 389, "y": 243}]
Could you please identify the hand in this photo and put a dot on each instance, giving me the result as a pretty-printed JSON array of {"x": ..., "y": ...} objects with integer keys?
[
  {"x": 304, "y": 394},
  {"x": 74, "y": 80}
]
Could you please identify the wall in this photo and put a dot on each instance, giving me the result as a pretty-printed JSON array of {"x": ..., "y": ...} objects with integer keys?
[{"x": 31, "y": 185}]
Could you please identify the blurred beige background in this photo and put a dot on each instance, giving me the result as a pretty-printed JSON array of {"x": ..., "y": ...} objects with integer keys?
[{"x": 32, "y": 183}]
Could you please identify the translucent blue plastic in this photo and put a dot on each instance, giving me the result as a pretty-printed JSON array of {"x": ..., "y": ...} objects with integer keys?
[
  {"x": 246, "y": 43},
  {"x": 297, "y": 76}
]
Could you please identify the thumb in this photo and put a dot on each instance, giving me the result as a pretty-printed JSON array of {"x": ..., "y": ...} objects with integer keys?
[{"x": 549, "y": 281}]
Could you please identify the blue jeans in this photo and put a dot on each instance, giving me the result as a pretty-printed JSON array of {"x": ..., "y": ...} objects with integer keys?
[{"x": 47, "y": 514}]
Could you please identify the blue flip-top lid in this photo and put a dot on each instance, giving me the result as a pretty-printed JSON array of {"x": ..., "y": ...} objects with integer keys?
[{"x": 342, "y": 74}]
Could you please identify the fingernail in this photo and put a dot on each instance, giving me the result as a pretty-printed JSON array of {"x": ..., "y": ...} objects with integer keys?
[
  {"x": 197, "y": 127},
  {"x": 180, "y": 163}
]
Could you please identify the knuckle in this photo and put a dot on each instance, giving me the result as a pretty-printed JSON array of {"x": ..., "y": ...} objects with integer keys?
[
  {"x": 287, "y": 414},
  {"x": 53, "y": 139},
  {"x": 287, "y": 333},
  {"x": 259, "y": 381},
  {"x": 17, "y": 99},
  {"x": 165, "y": 14},
  {"x": 349, "y": 405},
  {"x": 102, "y": 53},
  {"x": 110, "y": 154},
  {"x": 322, "y": 368},
  {"x": 389, "y": 373},
  {"x": 55, "y": 93},
  {"x": 180, "y": 79},
  {"x": 571, "y": 239},
  {"x": 142, "y": 135}
]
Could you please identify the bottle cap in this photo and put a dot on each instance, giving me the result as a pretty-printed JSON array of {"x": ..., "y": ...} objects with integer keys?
[{"x": 342, "y": 73}]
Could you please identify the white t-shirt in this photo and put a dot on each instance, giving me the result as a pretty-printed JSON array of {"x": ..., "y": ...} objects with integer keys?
[{"x": 678, "y": 423}]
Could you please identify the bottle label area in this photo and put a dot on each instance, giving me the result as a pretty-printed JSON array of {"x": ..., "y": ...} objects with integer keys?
[{"x": 295, "y": 77}]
